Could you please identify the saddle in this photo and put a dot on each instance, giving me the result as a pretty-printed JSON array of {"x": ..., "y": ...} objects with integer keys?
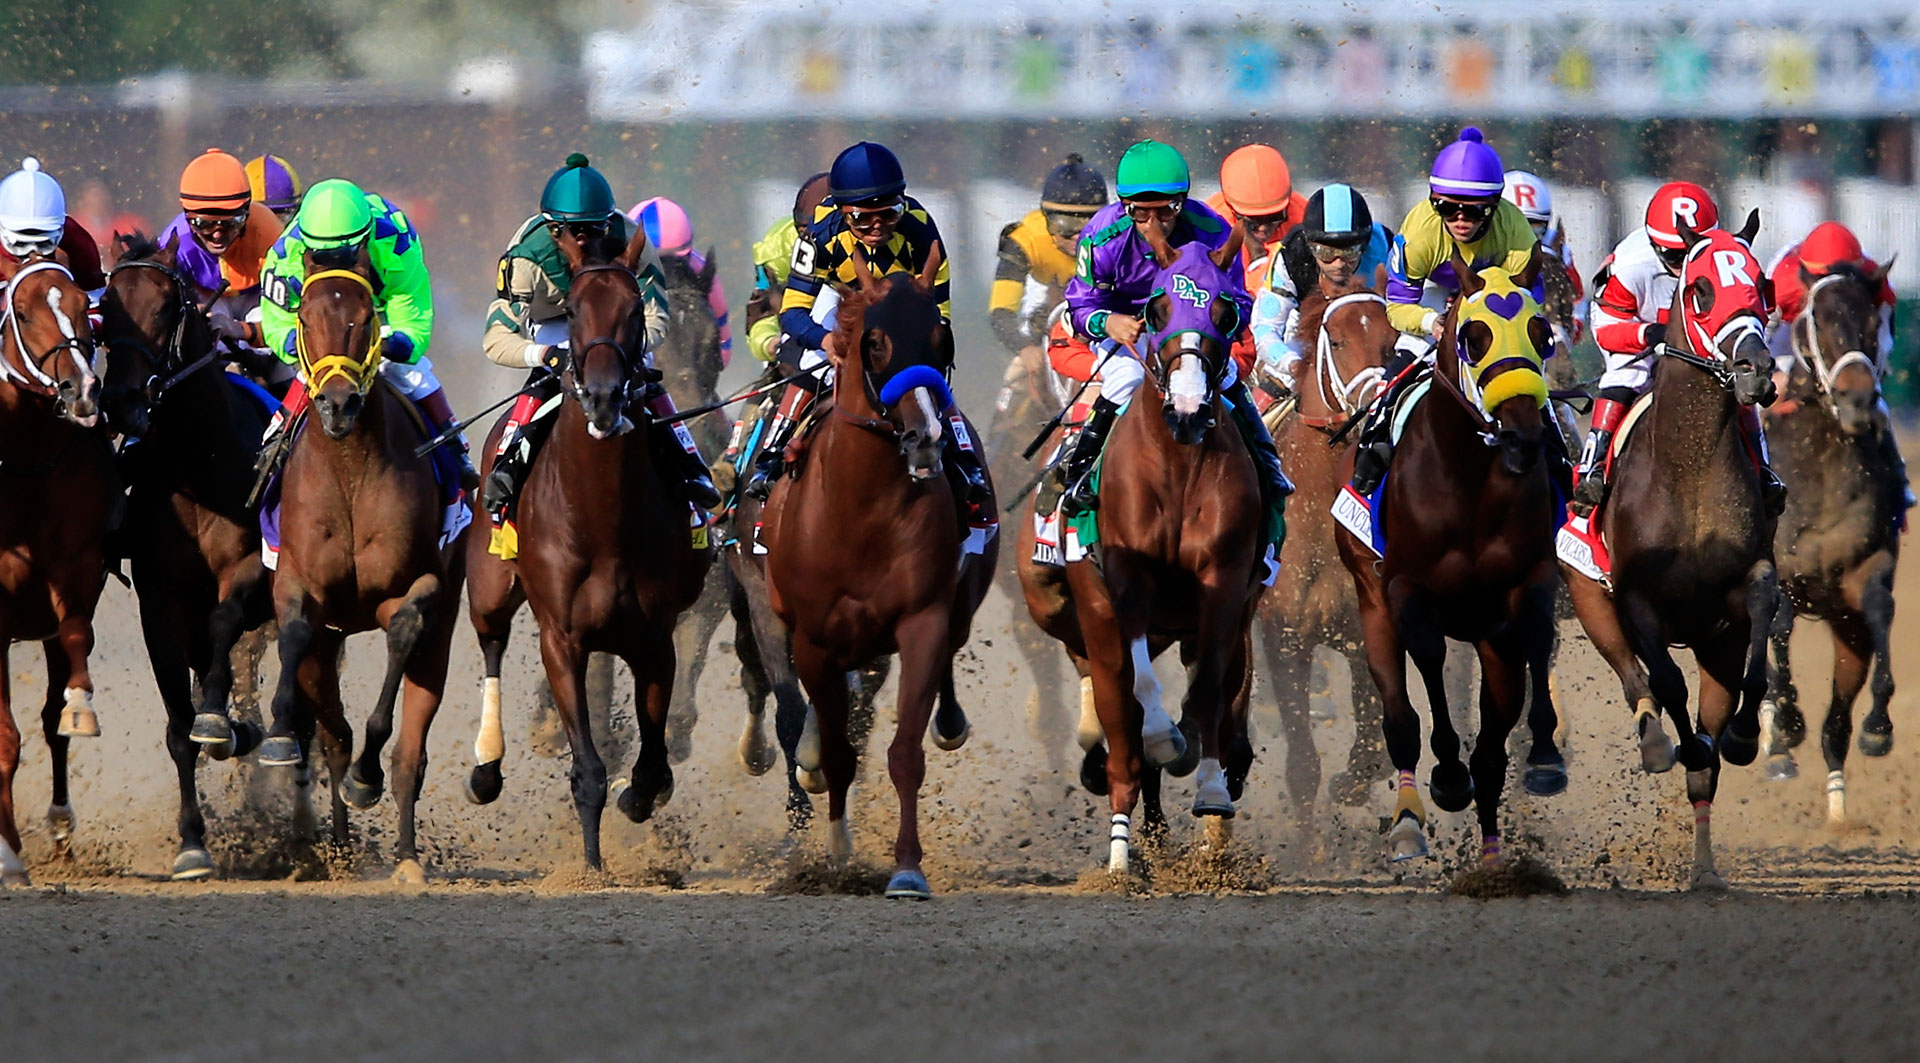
[{"x": 1579, "y": 542}]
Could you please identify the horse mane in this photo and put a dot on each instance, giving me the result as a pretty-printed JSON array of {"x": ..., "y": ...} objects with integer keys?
[
  {"x": 136, "y": 246},
  {"x": 1854, "y": 272}
]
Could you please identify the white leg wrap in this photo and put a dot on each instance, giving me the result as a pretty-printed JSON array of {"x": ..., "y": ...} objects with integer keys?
[
  {"x": 10, "y": 864},
  {"x": 1154, "y": 721},
  {"x": 1836, "y": 797},
  {"x": 490, "y": 744},
  {"x": 1090, "y": 731},
  {"x": 1118, "y": 838}
]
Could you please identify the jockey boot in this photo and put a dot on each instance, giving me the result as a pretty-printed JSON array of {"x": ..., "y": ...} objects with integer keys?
[
  {"x": 963, "y": 458},
  {"x": 698, "y": 482},
  {"x": 1080, "y": 496},
  {"x": 1590, "y": 479},
  {"x": 439, "y": 414},
  {"x": 1902, "y": 487},
  {"x": 1274, "y": 483},
  {"x": 513, "y": 457},
  {"x": 767, "y": 465},
  {"x": 1375, "y": 449},
  {"x": 1773, "y": 492}
]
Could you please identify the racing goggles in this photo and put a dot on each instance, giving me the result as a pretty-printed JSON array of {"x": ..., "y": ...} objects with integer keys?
[
  {"x": 1671, "y": 257},
  {"x": 1164, "y": 210},
  {"x": 1329, "y": 253},
  {"x": 208, "y": 224},
  {"x": 581, "y": 229},
  {"x": 1067, "y": 222},
  {"x": 24, "y": 245},
  {"x": 1449, "y": 209},
  {"x": 1262, "y": 226},
  {"x": 872, "y": 216}
]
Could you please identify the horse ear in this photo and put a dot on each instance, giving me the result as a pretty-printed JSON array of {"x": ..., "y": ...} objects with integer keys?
[
  {"x": 1163, "y": 253},
  {"x": 1688, "y": 236},
  {"x": 1530, "y": 273},
  {"x": 171, "y": 247},
  {"x": 863, "y": 270},
  {"x": 931, "y": 271},
  {"x": 1807, "y": 277},
  {"x": 1230, "y": 250},
  {"x": 1750, "y": 229},
  {"x": 570, "y": 249},
  {"x": 1877, "y": 276},
  {"x": 635, "y": 250},
  {"x": 1470, "y": 282},
  {"x": 709, "y": 271}
]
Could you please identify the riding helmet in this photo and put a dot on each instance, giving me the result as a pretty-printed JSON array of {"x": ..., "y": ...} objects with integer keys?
[
  {"x": 1828, "y": 245},
  {"x": 1531, "y": 194},
  {"x": 1467, "y": 168},
  {"x": 667, "y": 225},
  {"x": 1675, "y": 204},
  {"x": 1337, "y": 216},
  {"x": 215, "y": 183},
  {"x": 335, "y": 214},
  {"x": 274, "y": 183},
  {"x": 576, "y": 192},
  {"x": 1255, "y": 181},
  {"x": 1073, "y": 187},
  {"x": 31, "y": 202},
  {"x": 865, "y": 171},
  {"x": 1152, "y": 168}
]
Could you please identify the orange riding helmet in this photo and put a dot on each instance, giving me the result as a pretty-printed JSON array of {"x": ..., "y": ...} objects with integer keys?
[
  {"x": 1255, "y": 181},
  {"x": 215, "y": 183}
]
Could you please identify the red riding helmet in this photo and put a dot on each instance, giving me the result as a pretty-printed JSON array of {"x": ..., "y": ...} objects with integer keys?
[
  {"x": 1679, "y": 203},
  {"x": 1829, "y": 244}
]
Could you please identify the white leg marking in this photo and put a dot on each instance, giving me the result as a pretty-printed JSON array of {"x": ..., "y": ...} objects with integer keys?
[
  {"x": 1090, "y": 732},
  {"x": 1117, "y": 840},
  {"x": 1836, "y": 797},
  {"x": 1161, "y": 741},
  {"x": 491, "y": 743},
  {"x": 12, "y": 871},
  {"x": 840, "y": 841}
]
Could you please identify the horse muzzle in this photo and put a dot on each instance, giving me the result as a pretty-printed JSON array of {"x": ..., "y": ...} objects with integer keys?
[
  {"x": 79, "y": 401},
  {"x": 922, "y": 451},
  {"x": 1857, "y": 412},
  {"x": 1519, "y": 453},
  {"x": 338, "y": 412},
  {"x": 1188, "y": 426}
]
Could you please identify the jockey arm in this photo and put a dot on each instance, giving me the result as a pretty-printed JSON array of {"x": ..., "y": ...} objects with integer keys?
[
  {"x": 524, "y": 300},
  {"x": 1009, "y": 291},
  {"x": 1618, "y": 322},
  {"x": 771, "y": 254},
  {"x": 404, "y": 287}
]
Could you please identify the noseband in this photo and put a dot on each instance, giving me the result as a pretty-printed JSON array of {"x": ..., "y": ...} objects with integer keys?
[
  {"x": 1340, "y": 394},
  {"x": 1808, "y": 339},
  {"x": 577, "y": 353},
  {"x": 169, "y": 360},
  {"x": 33, "y": 379},
  {"x": 358, "y": 370}
]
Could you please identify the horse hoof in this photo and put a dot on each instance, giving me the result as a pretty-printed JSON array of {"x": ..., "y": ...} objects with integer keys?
[
  {"x": 813, "y": 781},
  {"x": 1187, "y": 761},
  {"x": 956, "y": 741},
  {"x": 1407, "y": 840},
  {"x": 192, "y": 864},
  {"x": 218, "y": 750},
  {"x": 1093, "y": 771},
  {"x": 1163, "y": 748},
  {"x": 280, "y": 751},
  {"x": 212, "y": 729},
  {"x": 79, "y": 722},
  {"x": 1211, "y": 797},
  {"x": 483, "y": 783},
  {"x": 357, "y": 792},
  {"x": 1780, "y": 767},
  {"x": 1657, "y": 753},
  {"x": 1737, "y": 747},
  {"x": 1450, "y": 786},
  {"x": 1709, "y": 881},
  {"x": 246, "y": 739},
  {"x": 757, "y": 755},
  {"x": 11, "y": 877},
  {"x": 1876, "y": 745},
  {"x": 908, "y": 885},
  {"x": 409, "y": 873},
  {"x": 1545, "y": 779},
  {"x": 60, "y": 823}
]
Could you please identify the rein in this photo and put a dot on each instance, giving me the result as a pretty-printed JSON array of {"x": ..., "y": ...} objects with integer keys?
[
  {"x": 33, "y": 379},
  {"x": 357, "y": 370},
  {"x": 1336, "y": 391},
  {"x": 177, "y": 343},
  {"x": 577, "y": 354},
  {"x": 1711, "y": 366}
]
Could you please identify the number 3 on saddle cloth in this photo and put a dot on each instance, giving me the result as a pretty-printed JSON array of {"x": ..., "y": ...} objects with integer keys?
[{"x": 446, "y": 473}]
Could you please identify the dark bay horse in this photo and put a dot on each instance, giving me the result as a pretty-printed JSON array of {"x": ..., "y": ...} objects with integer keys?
[
  {"x": 1178, "y": 560},
  {"x": 1838, "y": 541},
  {"x": 1469, "y": 516},
  {"x": 606, "y": 556},
  {"x": 192, "y": 540},
  {"x": 57, "y": 482},
  {"x": 1690, "y": 540},
  {"x": 361, "y": 520},
  {"x": 1312, "y": 602},
  {"x": 864, "y": 549}
]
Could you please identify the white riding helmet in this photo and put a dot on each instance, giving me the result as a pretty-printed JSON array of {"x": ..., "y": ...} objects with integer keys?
[
  {"x": 33, "y": 210},
  {"x": 1528, "y": 192}
]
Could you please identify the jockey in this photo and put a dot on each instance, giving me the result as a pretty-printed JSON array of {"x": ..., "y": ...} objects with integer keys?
[
  {"x": 1463, "y": 215},
  {"x": 34, "y": 221},
  {"x": 527, "y": 327},
  {"x": 1036, "y": 254},
  {"x": 670, "y": 232},
  {"x": 1635, "y": 286},
  {"x": 336, "y": 224},
  {"x": 1535, "y": 200},
  {"x": 1830, "y": 244},
  {"x": 220, "y": 240},
  {"x": 1107, "y": 297},
  {"x": 275, "y": 186},
  {"x": 867, "y": 207},
  {"x": 1336, "y": 238},
  {"x": 772, "y": 254},
  {"x": 1256, "y": 189}
]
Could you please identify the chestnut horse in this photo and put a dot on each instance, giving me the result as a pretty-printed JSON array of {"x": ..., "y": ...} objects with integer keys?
[
  {"x": 864, "y": 549},
  {"x": 1690, "y": 539},
  {"x": 1312, "y": 604},
  {"x": 192, "y": 540},
  {"x": 361, "y": 519},
  {"x": 606, "y": 554},
  {"x": 57, "y": 477},
  {"x": 1178, "y": 560},
  {"x": 1839, "y": 538},
  {"x": 1469, "y": 513}
]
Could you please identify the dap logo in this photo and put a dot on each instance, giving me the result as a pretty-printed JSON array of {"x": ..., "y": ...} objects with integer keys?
[{"x": 1184, "y": 288}]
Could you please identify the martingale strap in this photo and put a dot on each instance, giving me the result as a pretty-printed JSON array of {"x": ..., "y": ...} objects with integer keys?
[{"x": 358, "y": 370}]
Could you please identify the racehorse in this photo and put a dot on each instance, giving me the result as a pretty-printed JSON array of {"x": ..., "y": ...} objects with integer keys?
[
  {"x": 56, "y": 474},
  {"x": 361, "y": 547},
  {"x": 192, "y": 540},
  {"x": 606, "y": 557},
  {"x": 864, "y": 548},
  {"x": 1178, "y": 559},
  {"x": 1690, "y": 540},
  {"x": 1838, "y": 541},
  {"x": 1311, "y": 603},
  {"x": 1468, "y": 511}
]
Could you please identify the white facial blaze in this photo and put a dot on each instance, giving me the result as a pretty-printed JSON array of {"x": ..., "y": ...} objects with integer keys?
[
  {"x": 1187, "y": 385},
  {"x": 924, "y": 399},
  {"x": 1731, "y": 266}
]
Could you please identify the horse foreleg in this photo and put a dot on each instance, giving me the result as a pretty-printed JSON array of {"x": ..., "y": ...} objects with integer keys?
[
  {"x": 1387, "y": 663},
  {"x": 652, "y": 664},
  {"x": 1213, "y": 677},
  {"x": 168, "y": 656},
  {"x": 296, "y": 641},
  {"x": 60, "y": 810},
  {"x": 405, "y": 620},
  {"x": 1503, "y": 690},
  {"x": 1546, "y": 773},
  {"x": 243, "y": 608},
  {"x": 13, "y": 872},
  {"x": 1852, "y": 650},
  {"x": 926, "y": 672},
  {"x": 1600, "y": 619},
  {"x": 1739, "y": 743},
  {"x": 1722, "y": 666},
  {"x": 1876, "y": 605},
  {"x": 1782, "y": 725},
  {"x": 756, "y": 755},
  {"x": 75, "y": 640},
  {"x": 566, "y": 664},
  {"x": 1450, "y": 783},
  {"x": 320, "y": 708},
  {"x": 426, "y": 682},
  {"x": 826, "y": 685},
  {"x": 692, "y": 633},
  {"x": 1289, "y": 657}
]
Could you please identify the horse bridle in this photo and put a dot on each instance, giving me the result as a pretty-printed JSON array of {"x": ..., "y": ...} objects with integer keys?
[
  {"x": 1339, "y": 393},
  {"x": 33, "y": 379},
  {"x": 168, "y": 361},
  {"x": 576, "y": 354},
  {"x": 358, "y": 369},
  {"x": 1823, "y": 374},
  {"x": 1718, "y": 365}
]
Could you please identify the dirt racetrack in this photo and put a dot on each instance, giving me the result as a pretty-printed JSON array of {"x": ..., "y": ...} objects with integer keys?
[{"x": 693, "y": 945}]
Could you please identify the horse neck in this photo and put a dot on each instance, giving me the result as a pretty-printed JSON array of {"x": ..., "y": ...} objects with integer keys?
[
  {"x": 377, "y": 442},
  {"x": 28, "y": 425}
]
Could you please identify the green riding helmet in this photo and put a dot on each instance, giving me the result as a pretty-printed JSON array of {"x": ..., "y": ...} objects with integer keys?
[
  {"x": 335, "y": 214},
  {"x": 1149, "y": 168},
  {"x": 576, "y": 192}
]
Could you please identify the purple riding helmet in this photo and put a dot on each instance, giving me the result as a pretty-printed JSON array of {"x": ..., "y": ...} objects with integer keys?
[{"x": 1467, "y": 168}]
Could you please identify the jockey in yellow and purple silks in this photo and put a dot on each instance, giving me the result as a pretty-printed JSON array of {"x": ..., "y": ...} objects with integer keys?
[{"x": 1463, "y": 216}]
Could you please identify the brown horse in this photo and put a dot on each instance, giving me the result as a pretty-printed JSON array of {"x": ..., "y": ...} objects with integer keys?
[
  {"x": 1839, "y": 538},
  {"x": 1690, "y": 539},
  {"x": 864, "y": 550},
  {"x": 361, "y": 518},
  {"x": 56, "y": 474},
  {"x": 193, "y": 541},
  {"x": 606, "y": 554},
  {"x": 1178, "y": 560},
  {"x": 1468, "y": 512},
  {"x": 1312, "y": 604}
]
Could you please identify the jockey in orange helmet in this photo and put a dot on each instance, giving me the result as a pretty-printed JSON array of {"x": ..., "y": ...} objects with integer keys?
[
  {"x": 1256, "y": 189},
  {"x": 222, "y": 242}
]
